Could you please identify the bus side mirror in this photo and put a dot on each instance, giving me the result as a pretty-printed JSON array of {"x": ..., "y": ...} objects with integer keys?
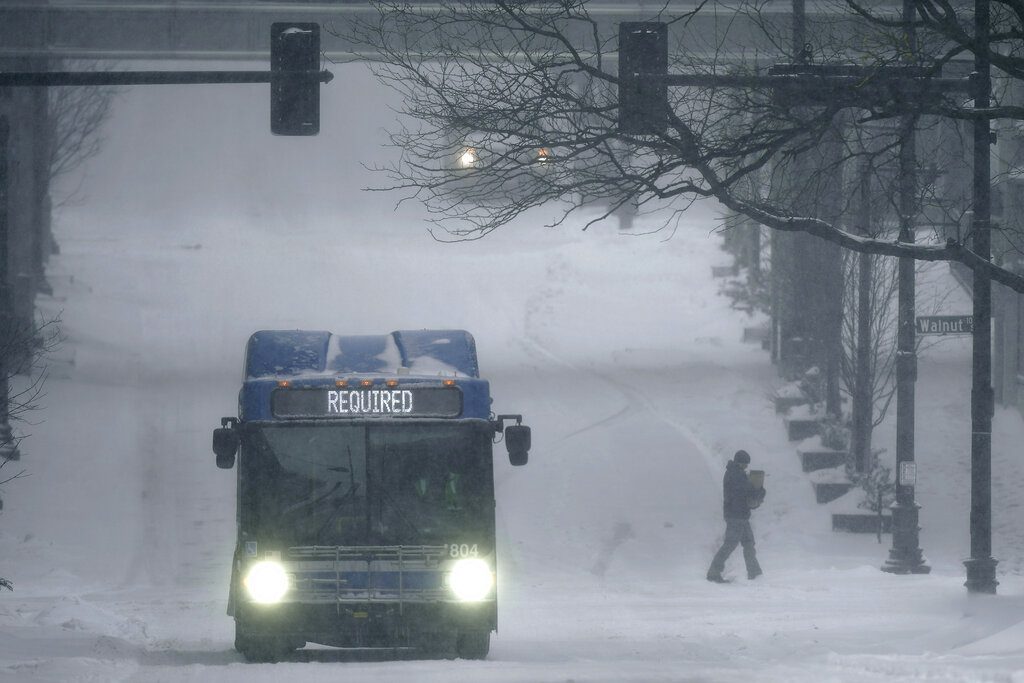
[
  {"x": 517, "y": 441},
  {"x": 225, "y": 445}
]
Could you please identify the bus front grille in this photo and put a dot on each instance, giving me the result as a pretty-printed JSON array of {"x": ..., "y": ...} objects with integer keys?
[{"x": 358, "y": 574}]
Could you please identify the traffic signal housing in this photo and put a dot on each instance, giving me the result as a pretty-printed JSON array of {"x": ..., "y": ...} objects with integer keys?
[
  {"x": 294, "y": 82},
  {"x": 643, "y": 101}
]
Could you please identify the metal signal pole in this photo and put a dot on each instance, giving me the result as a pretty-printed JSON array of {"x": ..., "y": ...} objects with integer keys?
[
  {"x": 294, "y": 78},
  {"x": 981, "y": 567}
]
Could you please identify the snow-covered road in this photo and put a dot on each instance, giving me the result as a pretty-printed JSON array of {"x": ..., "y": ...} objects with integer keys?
[{"x": 620, "y": 354}]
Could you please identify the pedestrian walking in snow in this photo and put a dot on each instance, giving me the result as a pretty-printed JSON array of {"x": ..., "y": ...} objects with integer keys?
[{"x": 739, "y": 496}]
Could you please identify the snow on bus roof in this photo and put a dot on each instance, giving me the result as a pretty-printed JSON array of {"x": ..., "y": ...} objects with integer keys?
[{"x": 273, "y": 353}]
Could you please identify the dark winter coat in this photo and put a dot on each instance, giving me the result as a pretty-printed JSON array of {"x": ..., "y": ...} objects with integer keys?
[{"x": 738, "y": 494}]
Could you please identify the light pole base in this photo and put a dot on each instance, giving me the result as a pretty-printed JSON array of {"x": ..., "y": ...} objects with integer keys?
[
  {"x": 905, "y": 557},
  {"x": 981, "y": 575},
  {"x": 906, "y": 562}
]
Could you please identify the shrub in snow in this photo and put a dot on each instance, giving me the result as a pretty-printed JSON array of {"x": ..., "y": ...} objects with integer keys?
[
  {"x": 877, "y": 483},
  {"x": 835, "y": 433},
  {"x": 812, "y": 384}
]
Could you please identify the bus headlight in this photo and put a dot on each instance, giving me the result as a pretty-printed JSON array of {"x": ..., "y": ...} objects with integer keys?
[
  {"x": 470, "y": 579},
  {"x": 266, "y": 582}
]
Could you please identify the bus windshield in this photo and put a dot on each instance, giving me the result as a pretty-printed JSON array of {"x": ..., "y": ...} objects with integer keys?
[{"x": 359, "y": 484}]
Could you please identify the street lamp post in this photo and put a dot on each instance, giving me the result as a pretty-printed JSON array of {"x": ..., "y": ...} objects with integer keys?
[{"x": 905, "y": 557}]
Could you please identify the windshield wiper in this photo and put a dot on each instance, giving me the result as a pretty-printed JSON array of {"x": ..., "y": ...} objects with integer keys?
[
  {"x": 337, "y": 503},
  {"x": 340, "y": 501},
  {"x": 386, "y": 497},
  {"x": 303, "y": 504}
]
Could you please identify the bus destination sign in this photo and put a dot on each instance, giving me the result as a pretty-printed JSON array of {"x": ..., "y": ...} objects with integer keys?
[{"x": 355, "y": 403}]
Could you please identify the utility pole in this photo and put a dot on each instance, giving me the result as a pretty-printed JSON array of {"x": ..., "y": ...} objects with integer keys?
[{"x": 981, "y": 567}]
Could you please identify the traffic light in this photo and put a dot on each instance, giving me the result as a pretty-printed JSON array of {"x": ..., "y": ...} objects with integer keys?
[
  {"x": 643, "y": 102},
  {"x": 294, "y": 96}
]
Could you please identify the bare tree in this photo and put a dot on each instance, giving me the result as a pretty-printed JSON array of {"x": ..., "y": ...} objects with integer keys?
[
  {"x": 23, "y": 350},
  {"x": 495, "y": 83},
  {"x": 75, "y": 120},
  {"x": 71, "y": 131}
]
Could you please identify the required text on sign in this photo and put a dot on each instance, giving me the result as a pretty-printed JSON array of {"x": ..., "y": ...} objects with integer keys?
[{"x": 375, "y": 402}]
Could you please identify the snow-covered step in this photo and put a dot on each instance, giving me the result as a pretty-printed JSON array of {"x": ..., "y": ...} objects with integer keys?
[
  {"x": 814, "y": 459},
  {"x": 800, "y": 428},
  {"x": 784, "y": 403},
  {"x": 826, "y": 492},
  {"x": 861, "y": 523}
]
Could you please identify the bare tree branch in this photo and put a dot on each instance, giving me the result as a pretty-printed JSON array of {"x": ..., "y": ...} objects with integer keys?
[
  {"x": 76, "y": 116},
  {"x": 502, "y": 81}
]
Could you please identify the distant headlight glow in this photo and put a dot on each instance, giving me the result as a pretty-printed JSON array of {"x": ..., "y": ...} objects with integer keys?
[
  {"x": 471, "y": 579},
  {"x": 468, "y": 158},
  {"x": 266, "y": 582}
]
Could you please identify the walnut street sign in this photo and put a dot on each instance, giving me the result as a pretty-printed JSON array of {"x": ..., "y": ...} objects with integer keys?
[{"x": 945, "y": 324}]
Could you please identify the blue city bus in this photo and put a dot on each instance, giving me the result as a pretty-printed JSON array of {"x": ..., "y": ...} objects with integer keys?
[{"x": 365, "y": 493}]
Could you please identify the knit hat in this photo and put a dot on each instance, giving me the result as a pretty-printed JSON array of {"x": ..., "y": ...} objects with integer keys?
[{"x": 742, "y": 457}]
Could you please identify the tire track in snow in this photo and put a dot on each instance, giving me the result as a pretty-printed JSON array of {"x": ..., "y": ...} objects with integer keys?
[
  {"x": 623, "y": 531},
  {"x": 182, "y": 538},
  {"x": 611, "y": 419},
  {"x": 533, "y": 347},
  {"x": 632, "y": 398},
  {"x": 149, "y": 562},
  {"x": 531, "y": 342}
]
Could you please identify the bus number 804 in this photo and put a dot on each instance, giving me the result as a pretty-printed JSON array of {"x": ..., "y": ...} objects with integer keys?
[{"x": 463, "y": 550}]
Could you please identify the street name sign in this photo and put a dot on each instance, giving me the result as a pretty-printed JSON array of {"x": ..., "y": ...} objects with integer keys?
[{"x": 945, "y": 324}]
